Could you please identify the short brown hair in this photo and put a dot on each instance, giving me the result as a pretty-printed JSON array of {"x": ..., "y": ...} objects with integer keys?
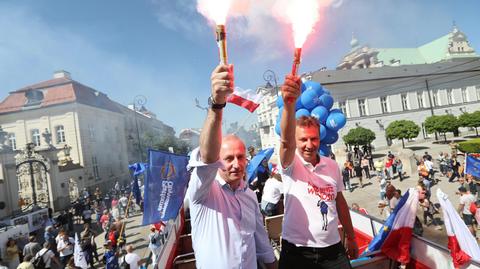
[{"x": 307, "y": 121}]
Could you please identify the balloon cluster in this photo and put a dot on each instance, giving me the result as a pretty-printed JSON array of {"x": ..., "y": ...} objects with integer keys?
[{"x": 317, "y": 102}]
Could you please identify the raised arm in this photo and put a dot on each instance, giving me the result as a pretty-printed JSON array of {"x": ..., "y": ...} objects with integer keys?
[
  {"x": 290, "y": 93},
  {"x": 211, "y": 136}
]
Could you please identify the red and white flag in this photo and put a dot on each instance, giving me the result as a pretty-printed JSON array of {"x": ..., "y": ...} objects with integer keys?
[
  {"x": 397, "y": 244},
  {"x": 247, "y": 99},
  {"x": 463, "y": 246}
]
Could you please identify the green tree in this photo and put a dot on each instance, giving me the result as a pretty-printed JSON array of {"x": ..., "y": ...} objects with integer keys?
[
  {"x": 442, "y": 124},
  {"x": 152, "y": 139},
  {"x": 402, "y": 129},
  {"x": 471, "y": 120},
  {"x": 359, "y": 136}
]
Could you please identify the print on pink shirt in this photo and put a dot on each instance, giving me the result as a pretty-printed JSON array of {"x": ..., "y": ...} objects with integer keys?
[
  {"x": 324, "y": 210},
  {"x": 325, "y": 194}
]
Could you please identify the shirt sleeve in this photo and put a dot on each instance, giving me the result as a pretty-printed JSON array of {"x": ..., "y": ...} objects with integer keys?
[
  {"x": 262, "y": 243},
  {"x": 201, "y": 178}
]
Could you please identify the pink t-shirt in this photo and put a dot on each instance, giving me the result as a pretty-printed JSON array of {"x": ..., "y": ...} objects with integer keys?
[{"x": 311, "y": 217}]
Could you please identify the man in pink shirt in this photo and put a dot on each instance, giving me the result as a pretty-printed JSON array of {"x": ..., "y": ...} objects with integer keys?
[{"x": 312, "y": 186}]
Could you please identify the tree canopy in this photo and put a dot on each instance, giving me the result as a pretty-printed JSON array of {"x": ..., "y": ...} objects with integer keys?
[
  {"x": 359, "y": 136},
  {"x": 471, "y": 120},
  {"x": 442, "y": 124},
  {"x": 402, "y": 129}
]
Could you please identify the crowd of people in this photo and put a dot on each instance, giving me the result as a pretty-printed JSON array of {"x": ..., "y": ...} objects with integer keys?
[{"x": 86, "y": 218}]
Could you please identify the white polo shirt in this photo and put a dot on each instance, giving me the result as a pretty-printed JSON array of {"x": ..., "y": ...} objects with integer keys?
[
  {"x": 311, "y": 217},
  {"x": 272, "y": 191}
]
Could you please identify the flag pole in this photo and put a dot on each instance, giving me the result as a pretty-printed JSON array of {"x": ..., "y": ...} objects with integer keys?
[{"x": 126, "y": 215}]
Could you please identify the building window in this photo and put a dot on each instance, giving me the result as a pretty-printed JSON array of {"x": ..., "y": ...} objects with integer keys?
[
  {"x": 404, "y": 101},
  {"x": 449, "y": 97},
  {"x": 12, "y": 140},
  {"x": 464, "y": 95},
  {"x": 35, "y": 137},
  {"x": 361, "y": 107},
  {"x": 60, "y": 131},
  {"x": 91, "y": 132},
  {"x": 95, "y": 168},
  {"x": 343, "y": 107},
  {"x": 435, "y": 98},
  {"x": 384, "y": 104},
  {"x": 420, "y": 100}
]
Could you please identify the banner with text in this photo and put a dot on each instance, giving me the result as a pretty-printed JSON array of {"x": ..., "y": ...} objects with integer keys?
[{"x": 165, "y": 186}]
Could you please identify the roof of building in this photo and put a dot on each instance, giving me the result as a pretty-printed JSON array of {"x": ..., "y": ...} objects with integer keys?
[{"x": 55, "y": 92}]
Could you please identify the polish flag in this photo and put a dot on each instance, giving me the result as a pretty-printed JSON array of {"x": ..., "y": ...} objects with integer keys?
[
  {"x": 247, "y": 99},
  {"x": 397, "y": 243},
  {"x": 463, "y": 246}
]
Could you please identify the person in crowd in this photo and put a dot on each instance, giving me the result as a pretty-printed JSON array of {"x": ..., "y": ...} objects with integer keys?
[
  {"x": 71, "y": 264},
  {"x": 369, "y": 157},
  {"x": 399, "y": 166},
  {"x": 395, "y": 199},
  {"x": 115, "y": 212},
  {"x": 26, "y": 263},
  {"x": 424, "y": 173},
  {"x": 428, "y": 211},
  {"x": 98, "y": 194},
  {"x": 110, "y": 258},
  {"x": 463, "y": 184},
  {"x": 429, "y": 166},
  {"x": 366, "y": 167},
  {"x": 123, "y": 202},
  {"x": 357, "y": 208},
  {"x": 88, "y": 243},
  {"x": 11, "y": 253},
  {"x": 427, "y": 156},
  {"x": 477, "y": 212},
  {"x": 105, "y": 220},
  {"x": 379, "y": 167},
  {"x": 87, "y": 214},
  {"x": 85, "y": 194},
  {"x": 263, "y": 174},
  {"x": 65, "y": 248},
  {"x": 49, "y": 236},
  {"x": 454, "y": 167},
  {"x": 114, "y": 202},
  {"x": 107, "y": 202},
  {"x": 251, "y": 153},
  {"x": 113, "y": 236},
  {"x": 389, "y": 167},
  {"x": 47, "y": 255},
  {"x": 78, "y": 208},
  {"x": 464, "y": 208},
  {"x": 133, "y": 259},
  {"x": 70, "y": 219},
  {"x": 272, "y": 192},
  {"x": 32, "y": 247},
  {"x": 314, "y": 202},
  {"x": 217, "y": 191},
  {"x": 471, "y": 183},
  {"x": 346, "y": 177},
  {"x": 442, "y": 163},
  {"x": 155, "y": 241}
]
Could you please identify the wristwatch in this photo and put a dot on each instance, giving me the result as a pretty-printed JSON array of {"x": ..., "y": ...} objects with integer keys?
[{"x": 212, "y": 105}]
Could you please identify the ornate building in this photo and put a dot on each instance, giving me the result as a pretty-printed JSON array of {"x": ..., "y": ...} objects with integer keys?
[
  {"x": 85, "y": 138},
  {"x": 374, "y": 87}
]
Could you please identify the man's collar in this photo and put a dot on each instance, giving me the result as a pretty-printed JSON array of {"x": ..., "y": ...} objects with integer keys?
[
  {"x": 305, "y": 163},
  {"x": 242, "y": 187}
]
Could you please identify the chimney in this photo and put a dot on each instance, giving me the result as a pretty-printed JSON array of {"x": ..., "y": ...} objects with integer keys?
[{"x": 62, "y": 74}]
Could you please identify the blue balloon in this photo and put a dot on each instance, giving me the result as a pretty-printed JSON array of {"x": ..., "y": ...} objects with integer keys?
[
  {"x": 335, "y": 121},
  {"x": 326, "y": 91},
  {"x": 277, "y": 129},
  {"x": 312, "y": 85},
  {"x": 323, "y": 132},
  {"x": 324, "y": 150},
  {"x": 327, "y": 101},
  {"x": 279, "y": 101},
  {"x": 330, "y": 138},
  {"x": 302, "y": 112},
  {"x": 336, "y": 110},
  {"x": 321, "y": 113},
  {"x": 309, "y": 99},
  {"x": 298, "y": 104}
]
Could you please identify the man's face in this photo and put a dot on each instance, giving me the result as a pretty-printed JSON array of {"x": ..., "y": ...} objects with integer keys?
[
  {"x": 232, "y": 155},
  {"x": 308, "y": 142}
]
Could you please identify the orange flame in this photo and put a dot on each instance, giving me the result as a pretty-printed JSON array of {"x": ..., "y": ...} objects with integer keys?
[
  {"x": 302, "y": 15},
  {"x": 215, "y": 10}
]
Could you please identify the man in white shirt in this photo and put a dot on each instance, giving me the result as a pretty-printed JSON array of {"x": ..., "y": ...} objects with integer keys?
[
  {"x": 466, "y": 199},
  {"x": 312, "y": 186},
  {"x": 227, "y": 226},
  {"x": 123, "y": 204},
  {"x": 133, "y": 259},
  {"x": 47, "y": 255},
  {"x": 429, "y": 166},
  {"x": 65, "y": 248},
  {"x": 272, "y": 192}
]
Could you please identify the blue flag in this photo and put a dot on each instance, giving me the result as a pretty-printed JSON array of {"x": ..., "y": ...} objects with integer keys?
[
  {"x": 472, "y": 166},
  {"x": 165, "y": 186},
  {"x": 138, "y": 169},
  {"x": 255, "y": 162},
  {"x": 378, "y": 240}
]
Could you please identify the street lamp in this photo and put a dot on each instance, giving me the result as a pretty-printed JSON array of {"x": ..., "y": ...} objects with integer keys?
[
  {"x": 269, "y": 76},
  {"x": 139, "y": 101}
]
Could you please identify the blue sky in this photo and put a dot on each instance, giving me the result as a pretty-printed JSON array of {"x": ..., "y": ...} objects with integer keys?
[{"x": 165, "y": 50}]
